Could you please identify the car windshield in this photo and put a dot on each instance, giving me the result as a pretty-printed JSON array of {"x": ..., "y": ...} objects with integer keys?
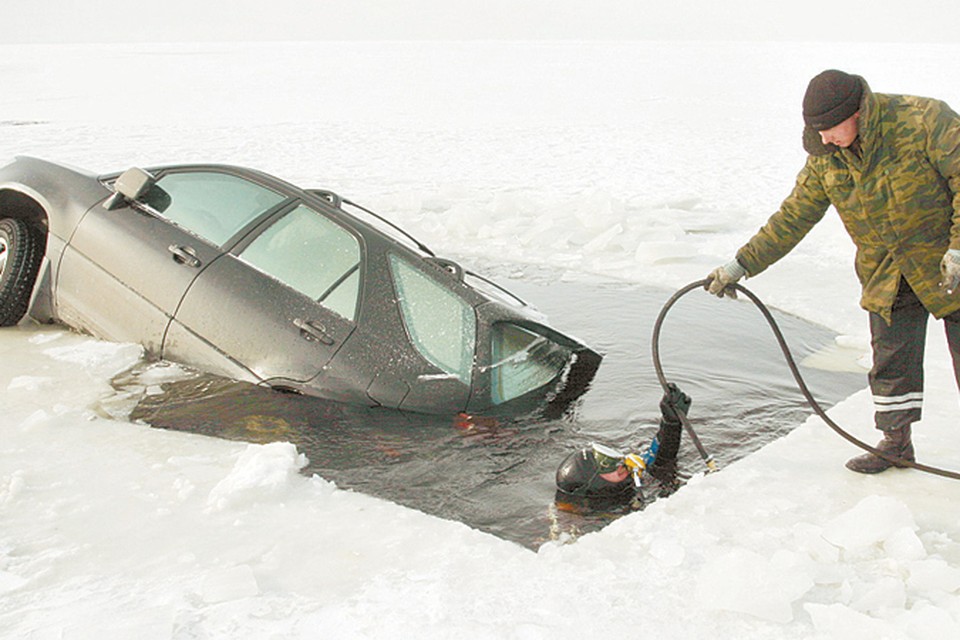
[
  {"x": 442, "y": 326},
  {"x": 523, "y": 361}
]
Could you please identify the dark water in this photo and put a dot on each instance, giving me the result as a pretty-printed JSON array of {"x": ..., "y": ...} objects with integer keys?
[{"x": 499, "y": 478}]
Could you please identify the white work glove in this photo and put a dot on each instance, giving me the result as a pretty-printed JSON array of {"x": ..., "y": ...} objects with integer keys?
[
  {"x": 950, "y": 270},
  {"x": 719, "y": 281}
]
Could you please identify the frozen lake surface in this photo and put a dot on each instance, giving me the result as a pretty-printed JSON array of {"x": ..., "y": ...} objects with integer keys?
[{"x": 629, "y": 169}]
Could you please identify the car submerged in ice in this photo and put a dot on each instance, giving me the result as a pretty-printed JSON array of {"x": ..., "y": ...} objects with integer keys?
[{"x": 241, "y": 274}]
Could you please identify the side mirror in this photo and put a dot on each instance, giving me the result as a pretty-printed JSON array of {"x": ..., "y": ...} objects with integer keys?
[{"x": 129, "y": 187}]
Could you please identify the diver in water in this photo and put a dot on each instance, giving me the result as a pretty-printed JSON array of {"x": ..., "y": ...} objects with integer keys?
[{"x": 599, "y": 477}]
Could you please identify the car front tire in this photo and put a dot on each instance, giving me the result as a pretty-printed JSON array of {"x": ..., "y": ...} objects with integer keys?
[{"x": 21, "y": 250}]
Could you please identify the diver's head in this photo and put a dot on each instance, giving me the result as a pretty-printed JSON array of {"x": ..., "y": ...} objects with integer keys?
[{"x": 596, "y": 471}]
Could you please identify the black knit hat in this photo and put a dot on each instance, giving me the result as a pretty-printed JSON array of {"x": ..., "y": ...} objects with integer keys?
[{"x": 832, "y": 97}]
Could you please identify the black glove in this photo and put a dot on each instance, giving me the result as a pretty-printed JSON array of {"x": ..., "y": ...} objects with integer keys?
[{"x": 674, "y": 400}]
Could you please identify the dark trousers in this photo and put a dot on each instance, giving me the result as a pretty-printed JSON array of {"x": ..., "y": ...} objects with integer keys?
[{"x": 896, "y": 379}]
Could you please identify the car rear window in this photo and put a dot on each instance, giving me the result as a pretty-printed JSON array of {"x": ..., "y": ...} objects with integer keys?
[{"x": 523, "y": 361}]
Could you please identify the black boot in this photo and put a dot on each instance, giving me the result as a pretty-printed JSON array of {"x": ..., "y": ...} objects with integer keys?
[{"x": 896, "y": 444}]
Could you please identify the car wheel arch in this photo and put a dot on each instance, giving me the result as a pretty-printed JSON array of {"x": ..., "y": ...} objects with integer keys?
[
  {"x": 19, "y": 205},
  {"x": 21, "y": 254}
]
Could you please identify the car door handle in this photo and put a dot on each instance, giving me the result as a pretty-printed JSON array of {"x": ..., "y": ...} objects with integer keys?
[
  {"x": 184, "y": 255},
  {"x": 312, "y": 330}
]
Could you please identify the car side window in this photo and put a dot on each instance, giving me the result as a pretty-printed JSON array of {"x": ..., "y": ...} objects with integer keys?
[
  {"x": 441, "y": 324},
  {"x": 313, "y": 255},
  {"x": 210, "y": 204}
]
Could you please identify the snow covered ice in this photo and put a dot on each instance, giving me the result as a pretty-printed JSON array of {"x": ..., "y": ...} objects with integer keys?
[{"x": 640, "y": 162}]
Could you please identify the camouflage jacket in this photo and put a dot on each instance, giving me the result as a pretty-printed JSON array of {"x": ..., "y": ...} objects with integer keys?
[{"x": 898, "y": 200}]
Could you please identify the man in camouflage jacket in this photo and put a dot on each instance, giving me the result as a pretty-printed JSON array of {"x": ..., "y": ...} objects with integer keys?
[{"x": 890, "y": 166}]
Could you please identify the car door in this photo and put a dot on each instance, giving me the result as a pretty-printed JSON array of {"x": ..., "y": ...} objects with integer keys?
[
  {"x": 279, "y": 305},
  {"x": 125, "y": 271}
]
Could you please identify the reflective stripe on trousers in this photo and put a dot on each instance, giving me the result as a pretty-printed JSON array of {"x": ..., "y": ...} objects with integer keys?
[{"x": 896, "y": 379}]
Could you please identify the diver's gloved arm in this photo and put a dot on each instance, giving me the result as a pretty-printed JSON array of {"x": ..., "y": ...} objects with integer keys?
[{"x": 674, "y": 401}]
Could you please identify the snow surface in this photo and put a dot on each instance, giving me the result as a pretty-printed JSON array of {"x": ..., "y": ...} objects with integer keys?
[{"x": 642, "y": 162}]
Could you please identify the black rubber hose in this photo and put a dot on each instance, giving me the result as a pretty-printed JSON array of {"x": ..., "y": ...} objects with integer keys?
[{"x": 788, "y": 356}]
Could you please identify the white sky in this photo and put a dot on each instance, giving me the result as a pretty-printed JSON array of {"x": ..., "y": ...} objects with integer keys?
[{"x": 228, "y": 20}]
